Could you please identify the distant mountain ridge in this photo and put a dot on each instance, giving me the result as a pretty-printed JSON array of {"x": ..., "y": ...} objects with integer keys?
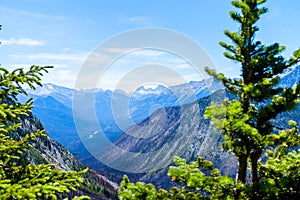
[
  {"x": 54, "y": 103},
  {"x": 62, "y": 94},
  {"x": 144, "y": 105}
]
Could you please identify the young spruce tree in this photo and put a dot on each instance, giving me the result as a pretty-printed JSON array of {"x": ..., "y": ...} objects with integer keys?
[
  {"x": 19, "y": 180},
  {"x": 246, "y": 124}
]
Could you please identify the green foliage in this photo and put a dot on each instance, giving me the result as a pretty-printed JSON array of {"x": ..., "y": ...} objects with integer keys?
[
  {"x": 19, "y": 180},
  {"x": 209, "y": 185},
  {"x": 193, "y": 175},
  {"x": 246, "y": 124},
  {"x": 140, "y": 191},
  {"x": 280, "y": 175}
]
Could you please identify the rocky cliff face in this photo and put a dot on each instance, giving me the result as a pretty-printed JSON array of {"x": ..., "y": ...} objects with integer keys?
[
  {"x": 174, "y": 131},
  {"x": 46, "y": 150}
]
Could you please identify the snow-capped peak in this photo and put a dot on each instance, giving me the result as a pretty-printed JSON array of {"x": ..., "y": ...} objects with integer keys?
[
  {"x": 153, "y": 89},
  {"x": 48, "y": 89},
  {"x": 290, "y": 70}
]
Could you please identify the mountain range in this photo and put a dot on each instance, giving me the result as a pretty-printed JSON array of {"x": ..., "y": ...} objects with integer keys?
[
  {"x": 53, "y": 106},
  {"x": 146, "y": 120}
]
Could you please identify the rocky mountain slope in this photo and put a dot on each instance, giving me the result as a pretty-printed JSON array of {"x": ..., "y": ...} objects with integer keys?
[
  {"x": 46, "y": 150},
  {"x": 174, "y": 131}
]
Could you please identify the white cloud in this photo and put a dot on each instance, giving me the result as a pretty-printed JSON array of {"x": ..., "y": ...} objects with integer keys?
[
  {"x": 183, "y": 66},
  {"x": 65, "y": 77},
  {"x": 60, "y": 75},
  {"x": 137, "y": 20},
  {"x": 193, "y": 77},
  {"x": 149, "y": 52},
  {"x": 22, "y": 41},
  {"x": 115, "y": 50},
  {"x": 66, "y": 49},
  {"x": 66, "y": 65},
  {"x": 51, "y": 57},
  {"x": 28, "y": 65},
  {"x": 31, "y": 14}
]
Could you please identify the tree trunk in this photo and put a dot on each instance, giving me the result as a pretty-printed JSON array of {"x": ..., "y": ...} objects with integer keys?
[
  {"x": 254, "y": 159},
  {"x": 242, "y": 168}
]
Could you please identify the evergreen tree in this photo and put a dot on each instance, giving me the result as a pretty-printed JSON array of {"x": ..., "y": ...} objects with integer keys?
[
  {"x": 17, "y": 179},
  {"x": 246, "y": 124}
]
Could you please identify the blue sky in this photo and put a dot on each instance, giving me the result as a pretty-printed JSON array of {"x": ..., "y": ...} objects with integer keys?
[{"x": 63, "y": 33}]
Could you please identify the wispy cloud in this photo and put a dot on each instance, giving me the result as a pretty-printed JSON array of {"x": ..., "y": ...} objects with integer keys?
[
  {"x": 50, "y": 57},
  {"x": 28, "y": 65},
  {"x": 148, "y": 52},
  {"x": 137, "y": 20},
  {"x": 66, "y": 65},
  {"x": 141, "y": 66},
  {"x": 183, "y": 66},
  {"x": 22, "y": 41},
  {"x": 31, "y": 14}
]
